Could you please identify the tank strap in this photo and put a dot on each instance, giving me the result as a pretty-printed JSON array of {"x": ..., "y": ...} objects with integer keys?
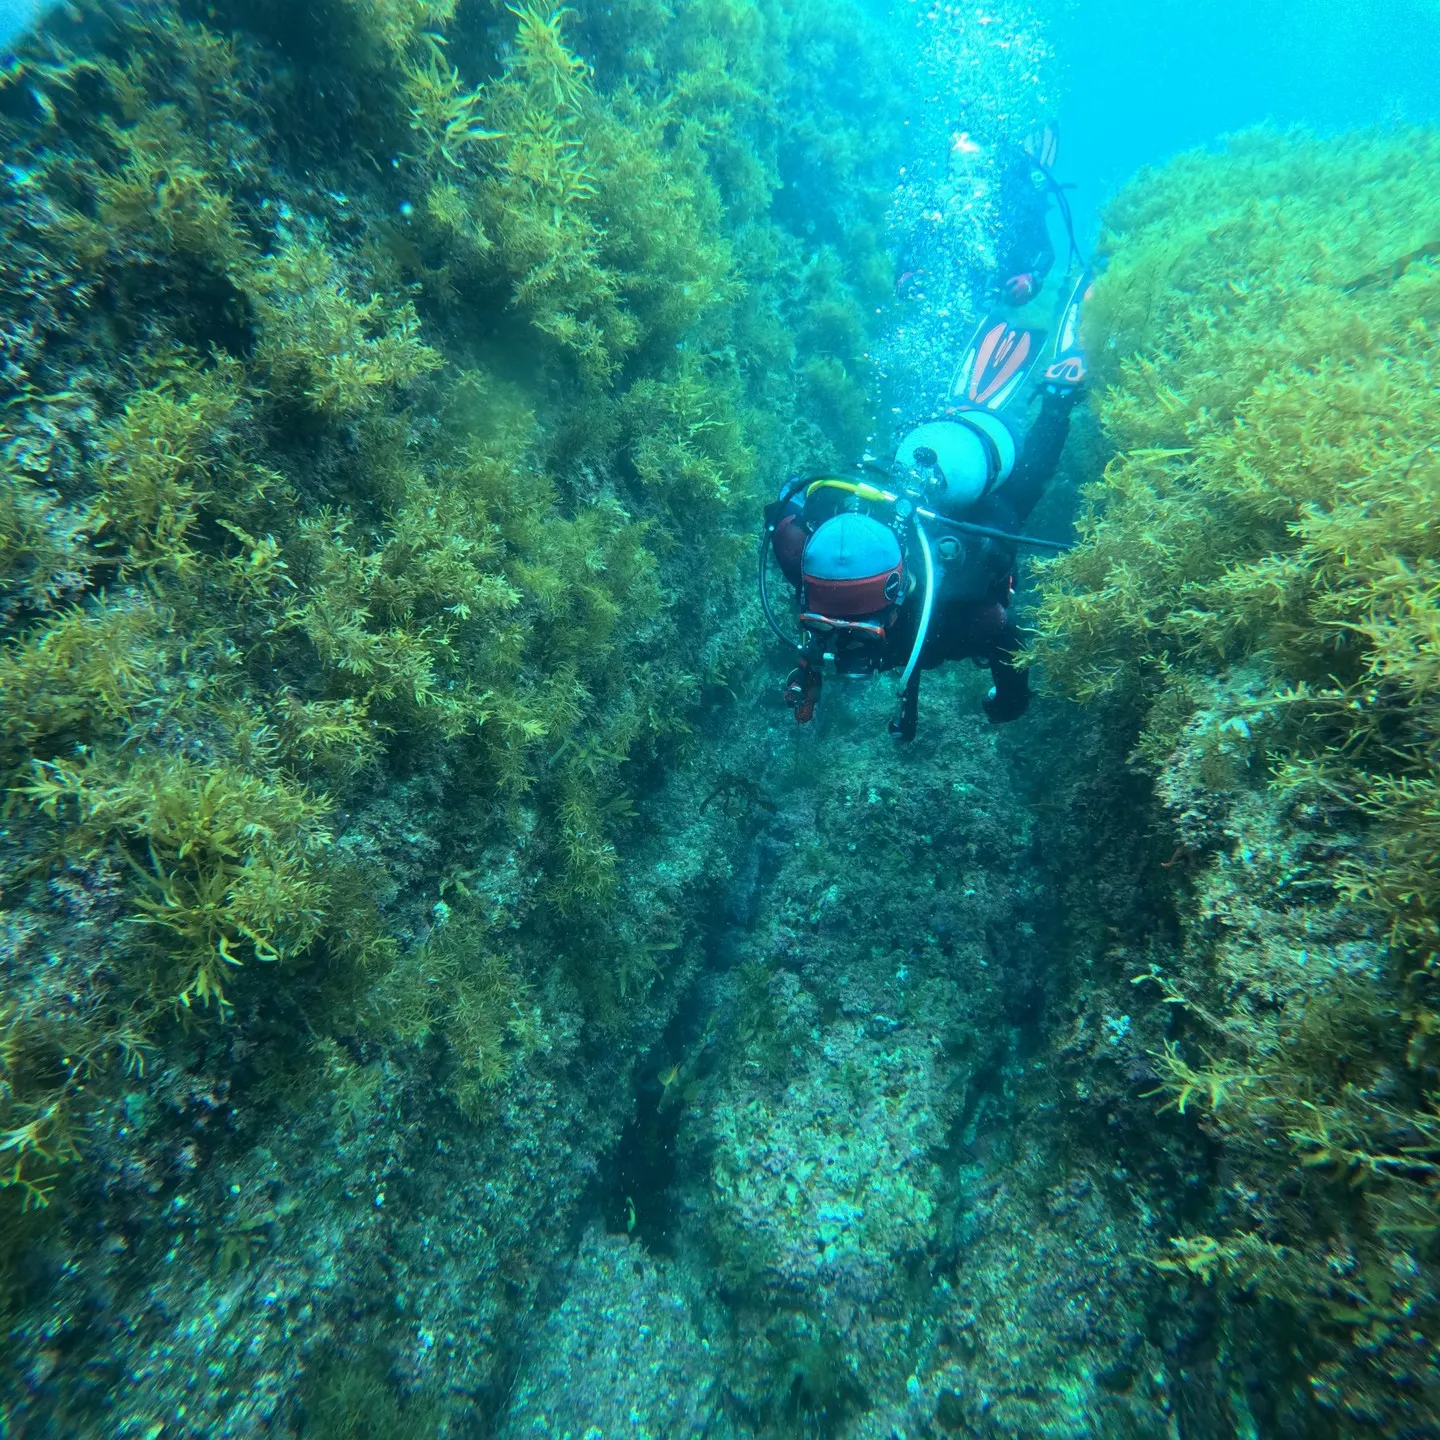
[{"x": 993, "y": 463}]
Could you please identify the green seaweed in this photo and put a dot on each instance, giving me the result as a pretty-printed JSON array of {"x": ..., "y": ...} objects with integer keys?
[
  {"x": 1273, "y": 491},
  {"x": 455, "y": 989},
  {"x": 1255, "y": 586},
  {"x": 401, "y": 487}
]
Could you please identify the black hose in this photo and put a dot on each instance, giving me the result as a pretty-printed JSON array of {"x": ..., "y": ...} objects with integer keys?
[
  {"x": 1062, "y": 202},
  {"x": 765, "y": 594},
  {"x": 970, "y": 528}
]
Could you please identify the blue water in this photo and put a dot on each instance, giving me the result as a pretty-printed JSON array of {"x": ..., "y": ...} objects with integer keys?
[
  {"x": 1142, "y": 81},
  {"x": 1127, "y": 85}
]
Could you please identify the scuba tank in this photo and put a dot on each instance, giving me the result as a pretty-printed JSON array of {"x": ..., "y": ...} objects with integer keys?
[
  {"x": 954, "y": 464},
  {"x": 960, "y": 460}
]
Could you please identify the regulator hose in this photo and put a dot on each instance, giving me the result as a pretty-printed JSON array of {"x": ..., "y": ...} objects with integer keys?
[
  {"x": 764, "y": 583},
  {"x": 923, "y": 629},
  {"x": 1062, "y": 203},
  {"x": 970, "y": 528}
]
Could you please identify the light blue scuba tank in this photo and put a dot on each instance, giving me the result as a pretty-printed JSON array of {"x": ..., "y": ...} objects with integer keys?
[{"x": 974, "y": 453}]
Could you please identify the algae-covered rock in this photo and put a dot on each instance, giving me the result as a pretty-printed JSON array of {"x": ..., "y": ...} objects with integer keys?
[
  {"x": 899, "y": 1250},
  {"x": 440, "y": 992},
  {"x": 1255, "y": 586},
  {"x": 828, "y": 1189},
  {"x": 621, "y": 1354},
  {"x": 381, "y": 438}
]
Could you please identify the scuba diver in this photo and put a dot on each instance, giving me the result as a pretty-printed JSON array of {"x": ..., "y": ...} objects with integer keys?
[
  {"x": 921, "y": 569},
  {"x": 1027, "y": 184}
]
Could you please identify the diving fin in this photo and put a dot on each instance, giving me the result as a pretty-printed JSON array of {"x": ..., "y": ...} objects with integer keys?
[
  {"x": 1065, "y": 371},
  {"x": 995, "y": 364},
  {"x": 1042, "y": 145}
]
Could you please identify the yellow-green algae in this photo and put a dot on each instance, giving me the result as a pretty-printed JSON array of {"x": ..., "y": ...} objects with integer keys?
[
  {"x": 358, "y": 444},
  {"x": 1257, "y": 588}
]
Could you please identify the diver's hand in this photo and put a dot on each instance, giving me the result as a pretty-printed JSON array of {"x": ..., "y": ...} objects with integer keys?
[
  {"x": 999, "y": 711},
  {"x": 1020, "y": 288}
]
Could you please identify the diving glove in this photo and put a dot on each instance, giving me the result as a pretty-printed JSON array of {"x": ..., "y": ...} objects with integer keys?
[{"x": 999, "y": 710}]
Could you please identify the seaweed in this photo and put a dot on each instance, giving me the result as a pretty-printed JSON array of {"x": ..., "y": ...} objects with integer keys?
[
  {"x": 1256, "y": 584},
  {"x": 377, "y": 473}
]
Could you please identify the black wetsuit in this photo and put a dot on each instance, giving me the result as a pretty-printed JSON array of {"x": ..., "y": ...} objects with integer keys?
[
  {"x": 972, "y": 617},
  {"x": 1025, "y": 247}
]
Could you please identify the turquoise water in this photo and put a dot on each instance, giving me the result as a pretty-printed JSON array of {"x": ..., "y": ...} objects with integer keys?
[
  {"x": 1142, "y": 84},
  {"x": 443, "y": 990}
]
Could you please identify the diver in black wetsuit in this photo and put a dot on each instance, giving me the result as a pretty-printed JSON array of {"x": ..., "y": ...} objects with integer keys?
[
  {"x": 972, "y": 616},
  {"x": 1027, "y": 185},
  {"x": 921, "y": 571},
  {"x": 1026, "y": 254}
]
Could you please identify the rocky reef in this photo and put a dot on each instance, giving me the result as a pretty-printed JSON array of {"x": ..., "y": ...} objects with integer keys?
[
  {"x": 442, "y": 993},
  {"x": 386, "y": 392},
  {"x": 1255, "y": 595}
]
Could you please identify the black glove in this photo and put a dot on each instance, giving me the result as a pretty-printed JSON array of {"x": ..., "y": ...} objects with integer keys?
[{"x": 1001, "y": 708}]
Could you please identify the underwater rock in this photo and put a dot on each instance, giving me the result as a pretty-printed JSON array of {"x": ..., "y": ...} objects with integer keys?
[
  {"x": 903, "y": 1199},
  {"x": 403, "y": 836},
  {"x": 1253, "y": 598},
  {"x": 828, "y": 1191},
  {"x": 620, "y": 1354}
]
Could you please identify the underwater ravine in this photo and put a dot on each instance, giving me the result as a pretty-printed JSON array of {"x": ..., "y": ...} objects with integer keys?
[{"x": 454, "y": 984}]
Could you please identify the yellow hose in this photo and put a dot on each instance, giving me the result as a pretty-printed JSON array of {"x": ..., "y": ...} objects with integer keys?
[{"x": 859, "y": 488}]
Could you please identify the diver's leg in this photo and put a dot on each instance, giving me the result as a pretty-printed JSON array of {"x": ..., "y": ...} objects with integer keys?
[
  {"x": 1009, "y": 506},
  {"x": 1039, "y": 456},
  {"x": 1009, "y": 695},
  {"x": 1046, "y": 438}
]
